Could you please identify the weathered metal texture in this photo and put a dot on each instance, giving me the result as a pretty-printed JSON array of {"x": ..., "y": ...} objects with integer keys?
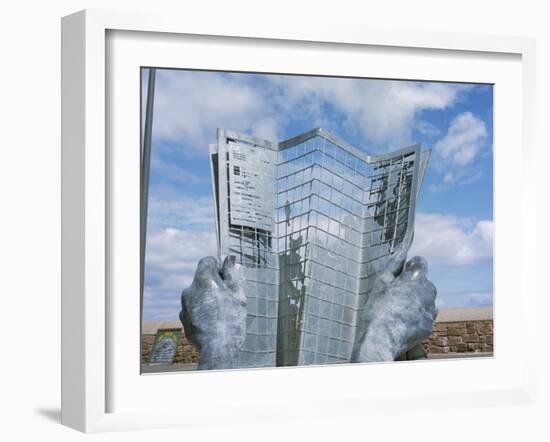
[
  {"x": 213, "y": 313},
  {"x": 399, "y": 313},
  {"x": 338, "y": 216},
  {"x": 251, "y": 243}
]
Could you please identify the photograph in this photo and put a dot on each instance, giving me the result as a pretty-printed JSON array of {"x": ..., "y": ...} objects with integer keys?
[
  {"x": 252, "y": 222},
  {"x": 294, "y": 220}
]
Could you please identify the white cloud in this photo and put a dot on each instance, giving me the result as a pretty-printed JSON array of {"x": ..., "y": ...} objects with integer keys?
[
  {"x": 450, "y": 240},
  {"x": 426, "y": 128},
  {"x": 182, "y": 212},
  {"x": 382, "y": 112},
  {"x": 181, "y": 231},
  {"x": 189, "y": 105},
  {"x": 176, "y": 249},
  {"x": 267, "y": 128},
  {"x": 463, "y": 141},
  {"x": 171, "y": 260},
  {"x": 456, "y": 153}
]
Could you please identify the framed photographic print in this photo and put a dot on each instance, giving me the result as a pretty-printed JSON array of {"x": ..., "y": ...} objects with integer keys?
[
  {"x": 257, "y": 212},
  {"x": 313, "y": 220}
]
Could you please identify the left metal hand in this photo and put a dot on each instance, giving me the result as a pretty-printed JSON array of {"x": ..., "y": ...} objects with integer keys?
[{"x": 213, "y": 313}]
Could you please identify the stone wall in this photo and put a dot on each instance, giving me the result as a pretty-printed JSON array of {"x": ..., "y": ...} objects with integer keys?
[
  {"x": 461, "y": 337},
  {"x": 468, "y": 330}
]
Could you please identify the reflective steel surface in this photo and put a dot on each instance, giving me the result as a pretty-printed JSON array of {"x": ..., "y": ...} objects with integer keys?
[{"x": 313, "y": 220}]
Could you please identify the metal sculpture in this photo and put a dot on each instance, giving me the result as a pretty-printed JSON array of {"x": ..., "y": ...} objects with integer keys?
[{"x": 321, "y": 231}]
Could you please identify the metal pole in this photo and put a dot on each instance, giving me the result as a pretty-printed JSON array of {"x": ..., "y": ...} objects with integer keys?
[{"x": 145, "y": 166}]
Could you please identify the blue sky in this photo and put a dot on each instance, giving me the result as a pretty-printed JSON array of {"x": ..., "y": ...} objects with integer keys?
[{"x": 454, "y": 220}]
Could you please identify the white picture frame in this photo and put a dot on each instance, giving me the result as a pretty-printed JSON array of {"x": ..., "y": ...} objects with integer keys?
[{"x": 92, "y": 328}]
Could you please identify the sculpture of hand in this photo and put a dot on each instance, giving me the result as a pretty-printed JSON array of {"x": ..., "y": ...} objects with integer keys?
[
  {"x": 397, "y": 316},
  {"x": 399, "y": 312},
  {"x": 213, "y": 312}
]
